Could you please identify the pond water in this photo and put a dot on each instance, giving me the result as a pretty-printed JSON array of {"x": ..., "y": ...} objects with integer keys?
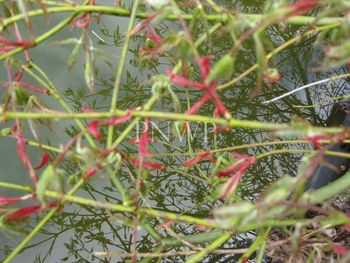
[{"x": 77, "y": 231}]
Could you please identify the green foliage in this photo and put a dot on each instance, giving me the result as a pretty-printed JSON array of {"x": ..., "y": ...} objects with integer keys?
[
  {"x": 51, "y": 179},
  {"x": 222, "y": 69}
]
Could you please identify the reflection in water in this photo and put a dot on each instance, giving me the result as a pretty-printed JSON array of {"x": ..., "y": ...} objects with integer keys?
[{"x": 83, "y": 230}]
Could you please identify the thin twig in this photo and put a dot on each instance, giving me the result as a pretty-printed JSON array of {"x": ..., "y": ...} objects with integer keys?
[
  {"x": 307, "y": 86},
  {"x": 168, "y": 254},
  {"x": 120, "y": 69},
  {"x": 186, "y": 243}
]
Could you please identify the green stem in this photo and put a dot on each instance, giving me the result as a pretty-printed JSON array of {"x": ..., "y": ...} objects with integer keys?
[
  {"x": 259, "y": 240},
  {"x": 276, "y": 51},
  {"x": 37, "y": 228},
  {"x": 41, "y": 38},
  {"x": 176, "y": 217},
  {"x": 243, "y": 146},
  {"x": 120, "y": 69},
  {"x": 313, "y": 197},
  {"x": 115, "y": 207},
  {"x": 29, "y": 237},
  {"x": 217, "y": 243},
  {"x": 89, "y": 202},
  {"x": 150, "y": 103},
  {"x": 324, "y": 193},
  {"x": 130, "y": 209},
  {"x": 233, "y": 123},
  {"x": 295, "y": 20},
  {"x": 116, "y": 182},
  {"x": 288, "y": 151},
  {"x": 200, "y": 238},
  {"x": 50, "y": 87},
  {"x": 16, "y": 186},
  {"x": 53, "y": 91},
  {"x": 44, "y": 146}
]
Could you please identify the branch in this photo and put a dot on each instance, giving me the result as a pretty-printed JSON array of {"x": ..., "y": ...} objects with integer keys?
[{"x": 295, "y": 20}]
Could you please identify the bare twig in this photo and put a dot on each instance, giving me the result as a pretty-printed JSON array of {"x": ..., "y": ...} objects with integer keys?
[{"x": 307, "y": 86}]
